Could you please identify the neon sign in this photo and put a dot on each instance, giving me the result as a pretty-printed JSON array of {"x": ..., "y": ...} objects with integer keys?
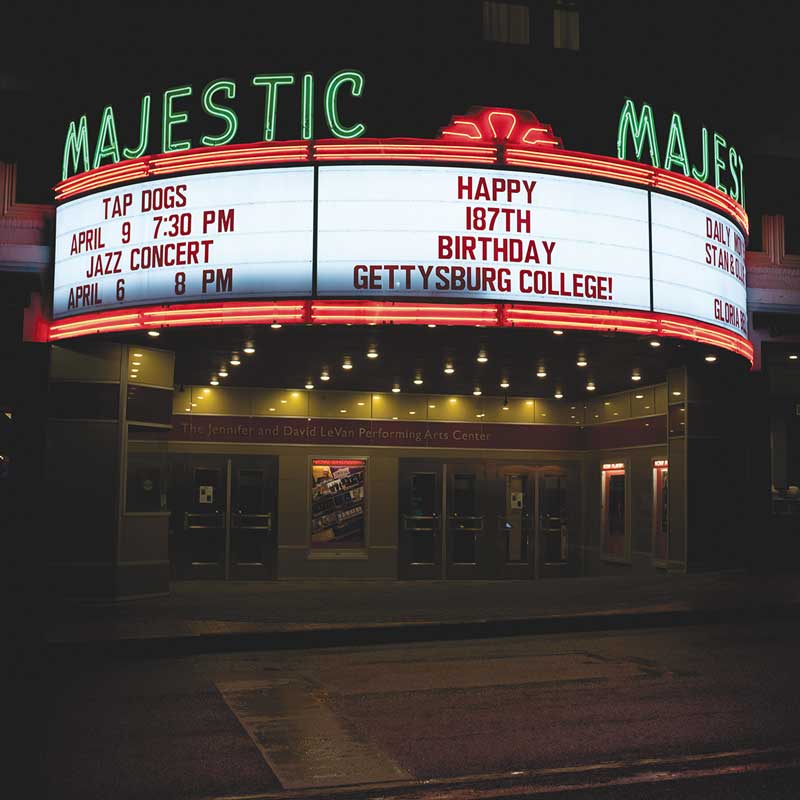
[
  {"x": 722, "y": 166},
  {"x": 215, "y": 99}
]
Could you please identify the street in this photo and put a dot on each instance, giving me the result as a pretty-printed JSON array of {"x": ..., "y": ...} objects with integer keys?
[{"x": 701, "y": 711}]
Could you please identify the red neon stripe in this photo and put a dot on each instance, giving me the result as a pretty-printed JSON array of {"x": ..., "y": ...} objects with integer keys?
[{"x": 362, "y": 312}]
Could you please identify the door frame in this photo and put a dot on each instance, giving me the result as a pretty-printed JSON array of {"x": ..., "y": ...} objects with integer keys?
[{"x": 407, "y": 569}]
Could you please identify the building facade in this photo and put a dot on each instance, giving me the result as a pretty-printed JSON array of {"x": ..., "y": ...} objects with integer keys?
[{"x": 319, "y": 350}]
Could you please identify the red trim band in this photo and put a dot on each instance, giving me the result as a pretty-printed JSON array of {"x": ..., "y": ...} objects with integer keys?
[{"x": 367, "y": 312}]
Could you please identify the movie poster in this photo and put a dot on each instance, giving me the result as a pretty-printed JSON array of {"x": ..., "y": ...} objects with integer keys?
[{"x": 337, "y": 503}]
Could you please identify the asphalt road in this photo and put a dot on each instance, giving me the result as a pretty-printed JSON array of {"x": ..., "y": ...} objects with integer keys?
[{"x": 689, "y": 712}]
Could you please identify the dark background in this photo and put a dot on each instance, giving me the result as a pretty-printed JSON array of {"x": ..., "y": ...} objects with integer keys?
[{"x": 730, "y": 66}]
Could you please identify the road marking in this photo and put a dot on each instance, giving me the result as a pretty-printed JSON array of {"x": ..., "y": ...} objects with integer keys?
[
  {"x": 551, "y": 780},
  {"x": 305, "y": 744}
]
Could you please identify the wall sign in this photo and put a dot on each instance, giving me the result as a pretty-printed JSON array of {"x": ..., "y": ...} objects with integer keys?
[
  {"x": 698, "y": 264},
  {"x": 398, "y": 232},
  {"x": 720, "y": 164},
  {"x": 225, "y": 235},
  {"x": 445, "y": 232},
  {"x": 337, "y": 503},
  {"x": 171, "y": 110}
]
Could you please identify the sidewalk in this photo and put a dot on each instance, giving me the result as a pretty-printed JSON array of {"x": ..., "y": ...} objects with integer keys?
[{"x": 214, "y": 616}]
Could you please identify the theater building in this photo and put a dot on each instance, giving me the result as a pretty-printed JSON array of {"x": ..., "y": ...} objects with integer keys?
[{"x": 476, "y": 355}]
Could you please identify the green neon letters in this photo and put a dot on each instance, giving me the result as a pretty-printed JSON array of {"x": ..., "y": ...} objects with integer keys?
[
  {"x": 108, "y": 130},
  {"x": 228, "y": 88},
  {"x": 171, "y": 118},
  {"x": 676, "y": 146},
  {"x": 76, "y": 145},
  {"x": 271, "y": 84},
  {"x": 144, "y": 131},
  {"x": 642, "y": 130},
  {"x": 356, "y": 79},
  {"x": 215, "y": 103}
]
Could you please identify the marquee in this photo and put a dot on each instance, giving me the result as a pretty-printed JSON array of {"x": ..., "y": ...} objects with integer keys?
[{"x": 491, "y": 223}]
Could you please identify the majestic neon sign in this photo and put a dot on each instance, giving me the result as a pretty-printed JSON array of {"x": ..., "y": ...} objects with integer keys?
[
  {"x": 215, "y": 98},
  {"x": 722, "y": 166}
]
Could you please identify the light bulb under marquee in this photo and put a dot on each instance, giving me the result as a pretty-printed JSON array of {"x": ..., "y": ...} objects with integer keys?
[{"x": 154, "y": 334}]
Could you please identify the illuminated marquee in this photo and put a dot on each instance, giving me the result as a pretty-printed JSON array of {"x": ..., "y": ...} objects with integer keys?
[{"x": 493, "y": 215}]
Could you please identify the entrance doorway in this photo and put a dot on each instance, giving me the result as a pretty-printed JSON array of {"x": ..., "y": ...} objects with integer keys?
[
  {"x": 468, "y": 519},
  {"x": 223, "y": 519}
]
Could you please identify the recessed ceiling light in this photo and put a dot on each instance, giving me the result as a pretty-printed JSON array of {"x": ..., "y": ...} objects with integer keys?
[
  {"x": 711, "y": 359},
  {"x": 396, "y": 388},
  {"x": 223, "y": 373},
  {"x": 342, "y": 410},
  {"x": 188, "y": 408},
  {"x": 412, "y": 412},
  {"x": 235, "y": 360},
  {"x": 607, "y": 403},
  {"x": 477, "y": 391},
  {"x": 153, "y": 333},
  {"x": 309, "y": 385},
  {"x": 482, "y": 356},
  {"x": 559, "y": 394},
  {"x": 676, "y": 393},
  {"x": 324, "y": 375},
  {"x": 347, "y": 363},
  {"x": 431, "y": 325},
  {"x": 214, "y": 382},
  {"x": 581, "y": 362},
  {"x": 137, "y": 355},
  {"x": 249, "y": 348},
  {"x": 431, "y": 405},
  {"x": 360, "y": 403},
  {"x": 136, "y": 363},
  {"x": 639, "y": 396},
  {"x": 655, "y": 343},
  {"x": 372, "y": 352},
  {"x": 793, "y": 357},
  {"x": 276, "y": 325},
  {"x": 417, "y": 379},
  {"x": 529, "y": 402},
  {"x": 134, "y": 376},
  {"x": 541, "y": 372},
  {"x": 504, "y": 384},
  {"x": 558, "y": 333},
  {"x": 590, "y": 387},
  {"x": 449, "y": 369},
  {"x": 271, "y": 408}
]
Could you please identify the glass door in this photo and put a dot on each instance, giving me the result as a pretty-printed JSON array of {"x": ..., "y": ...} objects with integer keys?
[
  {"x": 223, "y": 516},
  {"x": 660, "y": 512},
  {"x": 202, "y": 519},
  {"x": 553, "y": 525},
  {"x": 253, "y": 534},
  {"x": 514, "y": 529},
  {"x": 467, "y": 500},
  {"x": 420, "y": 520}
]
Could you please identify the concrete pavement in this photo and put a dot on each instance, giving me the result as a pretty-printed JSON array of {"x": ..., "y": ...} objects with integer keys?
[{"x": 212, "y": 616}]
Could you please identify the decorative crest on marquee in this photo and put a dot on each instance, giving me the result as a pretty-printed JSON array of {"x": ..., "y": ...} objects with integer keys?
[{"x": 501, "y": 126}]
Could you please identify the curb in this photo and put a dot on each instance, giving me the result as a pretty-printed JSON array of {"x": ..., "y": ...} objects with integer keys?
[{"x": 303, "y": 637}]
